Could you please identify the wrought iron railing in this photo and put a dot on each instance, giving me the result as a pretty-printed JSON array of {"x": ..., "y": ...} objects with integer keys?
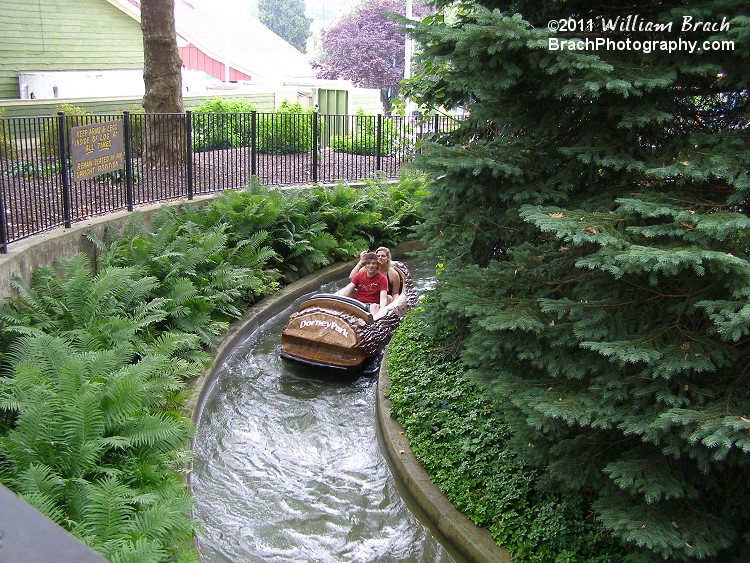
[{"x": 171, "y": 156}]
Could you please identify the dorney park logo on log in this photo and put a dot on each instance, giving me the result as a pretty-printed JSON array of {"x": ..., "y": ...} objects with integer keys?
[{"x": 330, "y": 325}]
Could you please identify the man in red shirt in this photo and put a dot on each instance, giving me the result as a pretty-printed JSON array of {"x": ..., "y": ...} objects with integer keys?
[{"x": 370, "y": 285}]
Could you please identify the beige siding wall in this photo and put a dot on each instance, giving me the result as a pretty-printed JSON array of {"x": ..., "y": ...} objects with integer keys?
[
  {"x": 46, "y": 35},
  {"x": 38, "y": 108},
  {"x": 368, "y": 100}
]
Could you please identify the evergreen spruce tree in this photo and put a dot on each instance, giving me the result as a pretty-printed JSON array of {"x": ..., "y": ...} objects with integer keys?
[{"x": 591, "y": 216}]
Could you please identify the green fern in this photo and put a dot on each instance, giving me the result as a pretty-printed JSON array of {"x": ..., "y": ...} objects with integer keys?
[
  {"x": 84, "y": 418},
  {"x": 108, "y": 509},
  {"x": 43, "y": 489}
]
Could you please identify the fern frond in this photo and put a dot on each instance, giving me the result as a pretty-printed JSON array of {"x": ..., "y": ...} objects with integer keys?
[
  {"x": 91, "y": 236},
  {"x": 107, "y": 510},
  {"x": 123, "y": 396},
  {"x": 30, "y": 305},
  {"x": 82, "y": 428},
  {"x": 163, "y": 518},
  {"x": 46, "y": 352},
  {"x": 157, "y": 431},
  {"x": 46, "y": 505},
  {"x": 180, "y": 290},
  {"x": 147, "y": 314},
  {"x": 139, "y": 551},
  {"x": 72, "y": 267},
  {"x": 34, "y": 439},
  {"x": 172, "y": 344},
  {"x": 39, "y": 479}
]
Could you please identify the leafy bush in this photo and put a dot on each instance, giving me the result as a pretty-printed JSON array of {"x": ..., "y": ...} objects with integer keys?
[
  {"x": 363, "y": 137},
  {"x": 289, "y": 130},
  {"x": 313, "y": 227},
  {"x": 221, "y": 123},
  {"x": 403, "y": 200},
  {"x": 205, "y": 281},
  {"x": 455, "y": 433},
  {"x": 50, "y": 136},
  {"x": 224, "y": 124},
  {"x": 25, "y": 169}
]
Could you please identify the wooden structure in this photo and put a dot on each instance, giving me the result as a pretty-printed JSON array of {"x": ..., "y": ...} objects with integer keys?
[{"x": 335, "y": 332}]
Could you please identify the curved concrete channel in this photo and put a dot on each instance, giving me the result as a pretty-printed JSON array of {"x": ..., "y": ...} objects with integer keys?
[{"x": 444, "y": 534}]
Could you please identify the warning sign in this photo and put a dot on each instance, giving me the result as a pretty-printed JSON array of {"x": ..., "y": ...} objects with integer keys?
[{"x": 96, "y": 149}]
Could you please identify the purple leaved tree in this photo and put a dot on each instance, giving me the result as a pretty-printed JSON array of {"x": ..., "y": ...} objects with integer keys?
[{"x": 367, "y": 47}]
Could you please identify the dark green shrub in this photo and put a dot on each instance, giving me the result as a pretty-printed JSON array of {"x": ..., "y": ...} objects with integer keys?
[
  {"x": 289, "y": 130},
  {"x": 363, "y": 137},
  {"x": 224, "y": 124},
  {"x": 49, "y": 137},
  {"x": 221, "y": 124},
  {"x": 49, "y": 141}
]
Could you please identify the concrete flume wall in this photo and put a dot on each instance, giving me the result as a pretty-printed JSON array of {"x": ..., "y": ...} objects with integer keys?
[{"x": 30, "y": 254}]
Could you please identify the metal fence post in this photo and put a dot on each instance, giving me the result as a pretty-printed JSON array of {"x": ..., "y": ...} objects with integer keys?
[
  {"x": 254, "y": 143},
  {"x": 437, "y": 125},
  {"x": 189, "y": 153},
  {"x": 128, "y": 161},
  {"x": 315, "y": 147},
  {"x": 3, "y": 220},
  {"x": 379, "y": 142},
  {"x": 64, "y": 169}
]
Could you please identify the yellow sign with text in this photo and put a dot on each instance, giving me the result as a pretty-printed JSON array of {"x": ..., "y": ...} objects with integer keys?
[{"x": 96, "y": 149}]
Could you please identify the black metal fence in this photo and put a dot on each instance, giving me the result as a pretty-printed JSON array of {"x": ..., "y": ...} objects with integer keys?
[{"x": 171, "y": 156}]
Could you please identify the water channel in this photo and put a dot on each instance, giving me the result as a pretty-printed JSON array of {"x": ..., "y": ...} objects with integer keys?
[{"x": 288, "y": 466}]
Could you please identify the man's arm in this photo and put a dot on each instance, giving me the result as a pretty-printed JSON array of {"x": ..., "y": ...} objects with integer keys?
[
  {"x": 347, "y": 291},
  {"x": 383, "y": 298},
  {"x": 358, "y": 266}
]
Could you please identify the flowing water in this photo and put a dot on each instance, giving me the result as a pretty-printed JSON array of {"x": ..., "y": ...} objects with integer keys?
[{"x": 288, "y": 466}]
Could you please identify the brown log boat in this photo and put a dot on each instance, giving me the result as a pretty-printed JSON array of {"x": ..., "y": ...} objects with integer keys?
[{"x": 335, "y": 332}]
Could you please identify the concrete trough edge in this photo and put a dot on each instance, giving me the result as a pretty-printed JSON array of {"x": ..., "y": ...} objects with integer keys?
[{"x": 473, "y": 542}]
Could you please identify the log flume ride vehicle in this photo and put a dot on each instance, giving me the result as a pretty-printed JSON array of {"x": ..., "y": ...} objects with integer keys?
[{"x": 338, "y": 333}]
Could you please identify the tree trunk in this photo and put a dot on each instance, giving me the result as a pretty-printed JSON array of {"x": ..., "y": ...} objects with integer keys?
[{"x": 165, "y": 137}]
